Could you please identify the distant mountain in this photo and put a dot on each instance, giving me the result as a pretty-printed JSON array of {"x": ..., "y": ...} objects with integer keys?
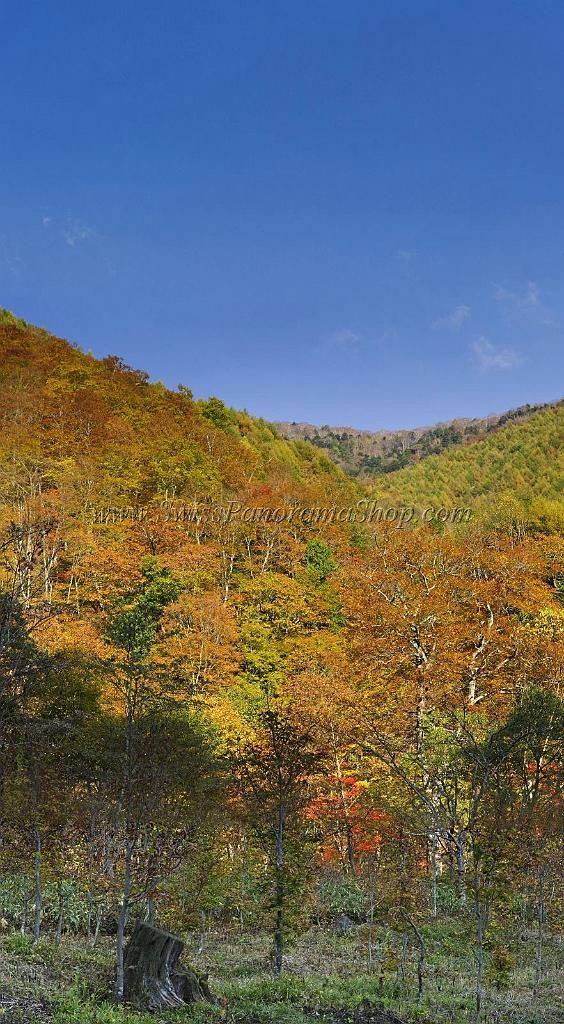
[
  {"x": 77, "y": 431},
  {"x": 513, "y": 475},
  {"x": 367, "y": 454}
]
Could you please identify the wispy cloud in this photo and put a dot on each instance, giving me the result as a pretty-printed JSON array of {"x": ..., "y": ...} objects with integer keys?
[
  {"x": 406, "y": 255},
  {"x": 526, "y": 304},
  {"x": 14, "y": 264},
  {"x": 531, "y": 296},
  {"x": 489, "y": 357},
  {"x": 71, "y": 230},
  {"x": 76, "y": 232},
  {"x": 345, "y": 339},
  {"x": 503, "y": 295},
  {"x": 453, "y": 320}
]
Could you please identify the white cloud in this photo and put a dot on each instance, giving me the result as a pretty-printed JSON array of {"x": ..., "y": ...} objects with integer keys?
[
  {"x": 491, "y": 358},
  {"x": 526, "y": 305},
  {"x": 75, "y": 232},
  {"x": 454, "y": 319},
  {"x": 345, "y": 339},
  {"x": 502, "y": 295},
  {"x": 405, "y": 255},
  {"x": 522, "y": 300},
  {"x": 531, "y": 296},
  {"x": 71, "y": 230}
]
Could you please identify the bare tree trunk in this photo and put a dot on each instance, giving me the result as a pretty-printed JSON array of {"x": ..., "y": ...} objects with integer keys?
[
  {"x": 25, "y": 911},
  {"x": 421, "y": 957},
  {"x": 479, "y": 963},
  {"x": 419, "y": 714},
  {"x": 130, "y": 843},
  {"x": 461, "y": 869},
  {"x": 434, "y": 871},
  {"x": 539, "y": 937},
  {"x": 370, "y": 913},
  {"x": 403, "y": 956},
  {"x": 89, "y": 920},
  {"x": 149, "y": 911},
  {"x": 38, "y": 891},
  {"x": 345, "y": 806},
  {"x": 97, "y": 925},
  {"x": 122, "y": 924},
  {"x": 279, "y": 895},
  {"x": 61, "y": 915},
  {"x": 482, "y": 911}
]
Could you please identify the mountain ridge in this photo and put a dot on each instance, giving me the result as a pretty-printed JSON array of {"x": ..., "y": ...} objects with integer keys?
[
  {"x": 106, "y": 425},
  {"x": 367, "y": 454},
  {"x": 77, "y": 427}
]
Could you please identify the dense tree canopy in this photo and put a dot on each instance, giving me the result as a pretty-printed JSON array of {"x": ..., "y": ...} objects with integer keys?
[{"x": 275, "y": 704}]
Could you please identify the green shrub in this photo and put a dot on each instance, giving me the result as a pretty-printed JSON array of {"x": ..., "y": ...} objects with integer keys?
[
  {"x": 18, "y": 944},
  {"x": 501, "y": 967}
]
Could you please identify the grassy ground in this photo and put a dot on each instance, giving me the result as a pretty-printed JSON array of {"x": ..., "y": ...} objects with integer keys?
[{"x": 68, "y": 984}]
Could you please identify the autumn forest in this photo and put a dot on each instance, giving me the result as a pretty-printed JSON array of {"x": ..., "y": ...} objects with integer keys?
[{"x": 320, "y": 755}]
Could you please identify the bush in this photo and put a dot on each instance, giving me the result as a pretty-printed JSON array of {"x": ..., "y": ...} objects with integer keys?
[
  {"x": 341, "y": 894},
  {"x": 501, "y": 967},
  {"x": 18, "y": 945}
]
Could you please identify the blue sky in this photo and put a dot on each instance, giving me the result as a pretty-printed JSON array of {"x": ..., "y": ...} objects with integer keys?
[{"x": 347, "y": 213}]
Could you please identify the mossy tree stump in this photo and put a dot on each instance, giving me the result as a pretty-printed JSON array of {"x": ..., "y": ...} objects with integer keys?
[{"x": 151, "y": 981}]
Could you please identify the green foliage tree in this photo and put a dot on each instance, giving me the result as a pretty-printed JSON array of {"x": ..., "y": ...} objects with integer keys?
[{"x": 273, "y": 778}]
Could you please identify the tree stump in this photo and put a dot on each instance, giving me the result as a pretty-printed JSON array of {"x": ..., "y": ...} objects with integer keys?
[{"x": 150, "y": 979}]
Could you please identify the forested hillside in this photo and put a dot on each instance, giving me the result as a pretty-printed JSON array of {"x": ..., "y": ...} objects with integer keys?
[
  {"x": 513, "y": 476},
  {"x": 66, "y": 407},
  {"x": 325, "y": 751},
  {"x": 365, "y": 454}
]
